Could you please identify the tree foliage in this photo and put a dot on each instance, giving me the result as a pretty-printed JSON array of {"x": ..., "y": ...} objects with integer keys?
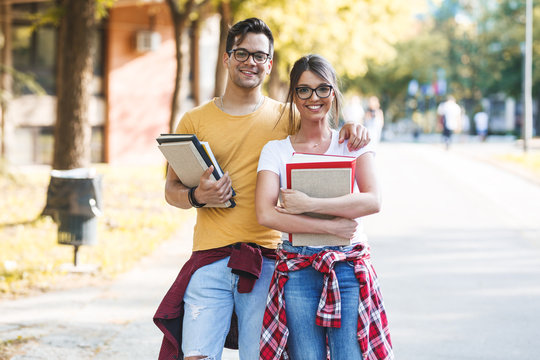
[
  {"x": 502, "y": 34},
  {"x": 477, "y": 45},
  {"x": 347, "y": 32}
]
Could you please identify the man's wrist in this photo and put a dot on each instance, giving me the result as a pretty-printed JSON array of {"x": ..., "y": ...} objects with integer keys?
[{"x": 192, "y": 200}]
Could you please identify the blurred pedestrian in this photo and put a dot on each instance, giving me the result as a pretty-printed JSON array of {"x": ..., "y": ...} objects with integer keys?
[
  {"x": 465, "y": 124},
  {"x": 374, "y": 119},
  {"x": 449, "y": 113},
  {"x": 481, "y": 121},
  {"x": 354, "y": 111}
]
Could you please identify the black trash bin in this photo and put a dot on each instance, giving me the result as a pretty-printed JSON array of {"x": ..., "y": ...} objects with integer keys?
[{"x": 74, "y": 202}]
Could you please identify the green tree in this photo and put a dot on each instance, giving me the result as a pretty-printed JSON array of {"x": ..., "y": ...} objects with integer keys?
[
  {"x": 76, "y": 21},
  {"x": 347, "y": 32},
  {"x": 418, "y": 58},
  {"x": 182, "y": 13},
  {"x": 227, "y": 10},
  {"x": 503, "y": 34}
]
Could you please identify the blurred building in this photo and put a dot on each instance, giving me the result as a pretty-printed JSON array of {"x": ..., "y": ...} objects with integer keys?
[{"x": 134, "y": 72}]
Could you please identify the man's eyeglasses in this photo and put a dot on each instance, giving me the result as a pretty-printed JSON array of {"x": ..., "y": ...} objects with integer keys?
[
  {"x": 322, "y": 91},
  {"x": 242, "y": 55}
]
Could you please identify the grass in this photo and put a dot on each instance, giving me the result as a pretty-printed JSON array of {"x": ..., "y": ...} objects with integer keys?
[
  {"x": 527, "y": 161},
  {"x": 135, "y": 220}
]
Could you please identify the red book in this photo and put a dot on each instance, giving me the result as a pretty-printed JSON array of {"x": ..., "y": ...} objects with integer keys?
[{"x": 320, "y": 176}]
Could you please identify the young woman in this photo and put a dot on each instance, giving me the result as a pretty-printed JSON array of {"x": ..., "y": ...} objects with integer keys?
[{"x": 333, "y": 302}]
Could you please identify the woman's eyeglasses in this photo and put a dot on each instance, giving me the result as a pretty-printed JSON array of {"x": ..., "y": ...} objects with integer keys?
[{"x": 322, "y": 91}]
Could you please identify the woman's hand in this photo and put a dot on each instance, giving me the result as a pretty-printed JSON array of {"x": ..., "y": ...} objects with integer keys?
[
  {"x": 343, "y": 227},
  {"x": 293, "y": 202}
]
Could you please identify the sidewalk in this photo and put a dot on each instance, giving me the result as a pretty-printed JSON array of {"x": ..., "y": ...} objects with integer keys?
[
  {"x": 110, "y": 321},
  {"x": 492, "y": 151}
]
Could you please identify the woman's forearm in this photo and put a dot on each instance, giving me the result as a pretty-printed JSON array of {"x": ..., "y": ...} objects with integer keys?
[
  {"x": 350, "y": 206},
  {"x": 266, "y": 198},
  {"x": 273, "y": 219}
]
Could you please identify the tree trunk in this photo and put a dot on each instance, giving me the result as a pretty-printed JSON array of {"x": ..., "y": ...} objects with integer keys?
[
  {"x": 179, "y": 19},
  {"x": 224, "y": 23},
  {"x": 73, "y": 131},
  {"x": 195, "y": 61},
  {"x": 5, "y": 76},
  {"x": 277, "y": 89}
]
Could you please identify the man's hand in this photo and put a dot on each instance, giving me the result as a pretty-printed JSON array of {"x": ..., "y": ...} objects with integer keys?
[
  {"x": 357, "y": 134},
  {"x": 210, "y": 191}
]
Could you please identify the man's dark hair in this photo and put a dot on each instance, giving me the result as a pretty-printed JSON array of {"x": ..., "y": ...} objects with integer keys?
[{"x": 238, "y": 32}]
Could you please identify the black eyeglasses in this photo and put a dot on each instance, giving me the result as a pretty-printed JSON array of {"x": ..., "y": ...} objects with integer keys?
[
  {"x": 242, "y": 55},
  {"x": 322, "y": 91}
]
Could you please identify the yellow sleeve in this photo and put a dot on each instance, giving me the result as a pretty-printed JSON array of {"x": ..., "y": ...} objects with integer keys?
[{"x": 186, "y": 126}]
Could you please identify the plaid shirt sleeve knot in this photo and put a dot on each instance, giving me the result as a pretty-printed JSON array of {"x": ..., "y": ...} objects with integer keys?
[{"x": 373, "y": 334}]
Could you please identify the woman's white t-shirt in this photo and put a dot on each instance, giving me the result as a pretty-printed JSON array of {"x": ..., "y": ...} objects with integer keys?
[{"x": 275, "y": 154}]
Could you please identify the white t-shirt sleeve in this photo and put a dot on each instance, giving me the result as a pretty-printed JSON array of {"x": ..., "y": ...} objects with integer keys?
[
  {"x": 269, "y": 158},
  {"x": 356, "y": 153}
]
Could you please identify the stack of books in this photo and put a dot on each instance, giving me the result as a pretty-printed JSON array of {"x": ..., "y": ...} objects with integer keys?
[{"x": 189, "y": 159}]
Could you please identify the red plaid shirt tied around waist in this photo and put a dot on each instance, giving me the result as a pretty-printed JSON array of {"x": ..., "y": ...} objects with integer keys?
[{"x": 373, "y": 334}]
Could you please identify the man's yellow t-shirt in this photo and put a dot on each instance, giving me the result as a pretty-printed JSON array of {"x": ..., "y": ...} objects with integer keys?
[{"x": 236, "y": 142}]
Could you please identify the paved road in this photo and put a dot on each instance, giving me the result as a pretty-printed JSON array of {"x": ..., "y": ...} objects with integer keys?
[{"x": 457, "y": 249}]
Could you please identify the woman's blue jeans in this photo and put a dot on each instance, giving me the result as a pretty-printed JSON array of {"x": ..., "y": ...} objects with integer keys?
[{"x": 307, "y": 341}]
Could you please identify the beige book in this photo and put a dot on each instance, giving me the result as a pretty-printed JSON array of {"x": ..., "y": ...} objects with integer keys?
[{"x": 320, "y": 176}]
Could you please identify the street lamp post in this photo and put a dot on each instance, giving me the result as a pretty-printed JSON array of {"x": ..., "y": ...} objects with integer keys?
[{"x": 527, "y": 88}]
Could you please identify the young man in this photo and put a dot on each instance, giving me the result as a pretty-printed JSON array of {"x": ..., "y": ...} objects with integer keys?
[
  {"x": 450, "y": 113},
  {"x": 223, "y": 286}
]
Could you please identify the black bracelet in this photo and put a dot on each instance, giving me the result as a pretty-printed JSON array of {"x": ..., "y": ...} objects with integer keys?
[{"x": 191, "y": 198}]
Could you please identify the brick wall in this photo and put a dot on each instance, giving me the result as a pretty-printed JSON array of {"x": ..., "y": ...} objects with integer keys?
[{"x": 139, "y": 84}]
